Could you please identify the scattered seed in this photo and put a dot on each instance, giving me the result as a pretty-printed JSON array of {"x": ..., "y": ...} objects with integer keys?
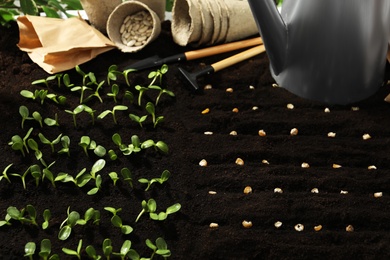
[
  {"x": 278, "y": 224},
  {"x": 239, "y": 161},
  {"x": 349, "y": 228},
  {"x": 262, "y": 132},
  {"x": 206, "y": 111},
  {"x": 274, "y": 85},
  {"x": 331, "y": 134},
  {"x": 299, "y": 227},
  {"x": 251, "y": 87},
  {"x": 327, "y": 110},
  {"x": 248, "y": 189},
  {"x": 212, "y": 192},
  {"x": 230, "y": 90},
  {"x": 208, "y": 133},
  {"x": 265, "y": 161},
  {"x": 208, "y": 86},
  {"x": 318, "y": 228},
  {"x": 233, "y": 133},
  {"x": 235, "y": 110},
  {"x": 371, "y": 167},
  {"x": 314, "y": 190},
  {"x": 278, "y": 190},
  {"x": 247, "y": 224},
  {"x": 294, "y": 131},
  {"x": 355, "y": 108},
  {"x": 203, "y": 163},
  {"x": 336, "y": 166},
  {"x": 305, "y": 165},
  {"x": 343, "y": 192},
  {"x": 290, "y": 106},
  {"x": 214, "y": 225},
  {"x": 366, "y": 136},
  {"x": 378, "y": 194},
  {"x": 255, "y": 108}
]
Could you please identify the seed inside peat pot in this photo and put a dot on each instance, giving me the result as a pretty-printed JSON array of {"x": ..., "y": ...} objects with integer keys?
[{"x": 136, "y": 29}]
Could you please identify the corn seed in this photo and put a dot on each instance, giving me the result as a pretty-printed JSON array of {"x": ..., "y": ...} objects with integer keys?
[
  {"x": 248, "y": 189},
  {"x": 203, "y": 163},
  {"x": 233, "y": 133},
  {"x": 247, "y": 224},
  {"x": 372, "y": 167},
  {"x": 318, "y": 228},
  {"x": 366, "y": 136},
  {"x": 314, "y": 190},
  {"x": 290, "y": 106},
  {"x": 349, "y": 228},
  {"x": 343, "y": 192},
  {"x": 331, "y": 134},
  {"x": 299, "y": 227},
  {"x": 327, "y": 110},
  {"x": 305, "y": 165},
  {"x": 278, "y": 190},
  {"x": 206, "y": 111},
  {"x": 278, "y": 224},
  {"x": 230, "y": 90},
  {"x": 378, "y": 194},
  {"x": 294, "y": 131},
  {"x": 214, "y": 225},
  {"x": 212, "y": 192},
  {"x": 235, "y": 110},
  {"x": 262, "y": 132},
  {"x": 336, "y": 166},
  {"x": 239, "y": 161}
]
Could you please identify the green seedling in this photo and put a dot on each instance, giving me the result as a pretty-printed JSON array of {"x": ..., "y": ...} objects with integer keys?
[
  {"x": 46, "y": 218},
  {"x": 82, "y": 90},
  {"x": 163, "y": 215},
  {"x": 151, "y": 110},
  {"x": 160, "y": 248},
  {"x": 17, "y": 144},
  {"x": 112, "y": 112},
  {"x": 5, "y": 174},
  {"x": 125, "y": 248},
  {"x": 127, "y": 176},
  {"x": 126, "y": 75},
  {"x": 29, "y": 250},
  {"x": 114, "y": 92},
  {"x": 164, "y": 177},
  {"x": 141, "y": 91},
  {"x": 25, "y": 113},
  {"x": 86, "y": 76},
  {"x": 37, "y": 116},
  {"x": 91, "y": 112},
  {"x": 33, "y": 145},
  {"x": 135, "y": 145},
  {"x": 161, "y": 91},
  {"x": 85, "y": 142},
  {"x": 91, "y": 252},
  {"x": 129, "y": 95},
  {"x": 45, "y": 251},
  {"x": 138, "y": 119},
  {"x": 44, "y": 140},
  {"x": 88, "y": 144},
  {"x": 22, "y": 176},
  {"x": 44, "y": 81},
  {"x": 19, "y": 215},
  {"x": 114, "y": 177},
  {"x": 6, "y": 221},
  {"x": 65, "y": 142},
  {"x": 159, "y": 146},
  {"x": 52, "y": 122},
  {"x": 113, "y": 73},
  {"x": 36, "y": 172},
  {"x": 158, "y": 74},
  {"x": 149, "y": 206},
  {"x": 107, "y": 248},
  {"x": 112, "y": 155},
  {"x": 75, "y": 112},
  {"x": 66, "y": 226},
  {"x": 96, "y": 93},
  {"x": 98, "y": 184},
  {"x": 71, "y": 252},
  {"x": 117, "y": 221},
  {"x": 66, "y": 80},
  {"x": 92, "y": 214},
  {"x": 96, "y": 167},
  {"x": 47, "y": 173}
]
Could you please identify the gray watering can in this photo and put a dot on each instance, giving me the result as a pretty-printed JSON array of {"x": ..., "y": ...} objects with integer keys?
[{"x": 333, "y": 51}]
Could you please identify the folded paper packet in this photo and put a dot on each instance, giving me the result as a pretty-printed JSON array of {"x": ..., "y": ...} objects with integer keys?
[{"x": 57, "y": 44}]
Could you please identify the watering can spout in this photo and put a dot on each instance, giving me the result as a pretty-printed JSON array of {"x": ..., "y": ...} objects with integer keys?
[{"x": 273, "y": 30}]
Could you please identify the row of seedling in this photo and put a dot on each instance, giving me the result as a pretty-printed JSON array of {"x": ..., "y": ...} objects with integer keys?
[{"x": 159, "y": 248}]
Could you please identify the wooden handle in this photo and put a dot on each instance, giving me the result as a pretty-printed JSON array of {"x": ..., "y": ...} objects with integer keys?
[
  {"x": 238, "y": 58},
  {"x": 209, "y": 51}
]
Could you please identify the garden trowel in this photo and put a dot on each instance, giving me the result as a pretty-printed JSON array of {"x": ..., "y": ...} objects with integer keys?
[
  {"x": 156, "y": 61},
  {"x": 220, "y": 65}
]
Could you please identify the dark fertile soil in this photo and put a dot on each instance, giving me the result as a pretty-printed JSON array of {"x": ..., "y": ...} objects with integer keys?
[{"x": 345, "y": 195}]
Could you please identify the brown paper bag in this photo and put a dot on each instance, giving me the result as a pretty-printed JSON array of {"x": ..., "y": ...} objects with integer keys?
[{"x": 60, "y": 44}]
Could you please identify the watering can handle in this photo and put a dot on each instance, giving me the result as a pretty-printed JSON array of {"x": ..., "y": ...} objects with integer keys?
[
  {"x": 227, "y": 47},
  {"x": 220, "y": 65}
]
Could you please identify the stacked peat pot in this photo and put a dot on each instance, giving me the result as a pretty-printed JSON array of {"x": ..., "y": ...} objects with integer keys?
[{"x": 210, "y": 22}]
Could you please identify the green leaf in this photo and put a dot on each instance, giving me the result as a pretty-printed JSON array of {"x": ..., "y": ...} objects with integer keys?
[
  {"x": 116, "y": 221},
  {"x": 64, "y": 233},
  {"x": 126, "y": 229},
  {"x": 50, "y": 12},
  {"x": 45, "y": 248},
  {"x": 29, "y": 7},
  {"x": 174, "y": 208},
  {"x": 29, "y": 249},
  {"x": 125, "y": 247}
]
